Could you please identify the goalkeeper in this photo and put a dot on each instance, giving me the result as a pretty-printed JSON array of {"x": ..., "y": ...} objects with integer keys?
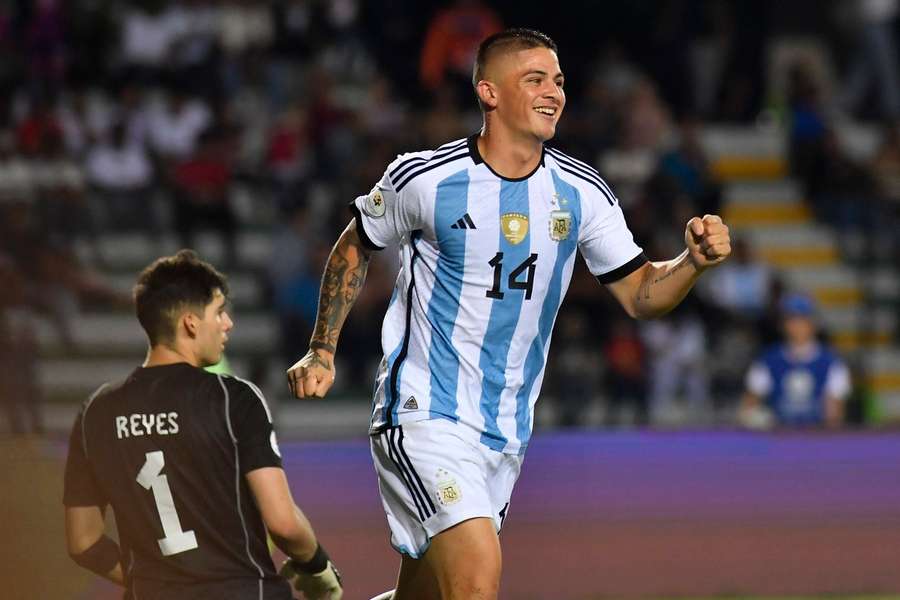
[{"x": 189, "y": 462}]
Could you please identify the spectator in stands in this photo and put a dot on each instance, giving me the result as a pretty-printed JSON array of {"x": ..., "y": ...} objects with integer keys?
[
  {"x": 201, "y": 186},
  {"x": 741, "y": 288},
  {"x": 121, "y": 176},
  {"x": 800, "y": 382},
  {"x": 625, "y": 375},
  {"x": 148, "y": 31},
  {"x": 451, "y": 39},
  {"x": 293, "y": 276},
  {"x": 808, "y": 124},
  {"x": 839, "y": 187},
  {"x": 688, "y": 168},
  {"x": 60, "y": 187},
  {"x": 574, "y": 375},
  {"x": 19, "y": 390},
  {"x": 175, "y": 127},
  {"x": 874, "y": 68},
  {"x": 885, "y": 166},
  {"x": 677, "y": 356},
  {"x": 45, "y": 46},
  {"x": 289, "y": 158}
]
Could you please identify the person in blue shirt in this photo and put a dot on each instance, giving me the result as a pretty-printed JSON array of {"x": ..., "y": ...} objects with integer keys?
[{"x": 799, "y": 382}]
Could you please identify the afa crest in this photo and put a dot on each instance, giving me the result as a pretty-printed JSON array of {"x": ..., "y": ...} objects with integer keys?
[
  {"x": 560, "y": 225},
  {"x": 514, "y": 227},
  {"x": 448, "y": 491},
  {"x": 374, "y": 203}
]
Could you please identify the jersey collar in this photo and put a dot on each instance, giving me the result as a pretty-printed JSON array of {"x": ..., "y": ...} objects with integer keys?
[{"x": 477, "y": 159}]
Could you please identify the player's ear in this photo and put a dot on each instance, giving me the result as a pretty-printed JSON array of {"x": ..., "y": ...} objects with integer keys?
[
  {"x": 487, "y": 94},
  {"x": 190, "y": 323}
]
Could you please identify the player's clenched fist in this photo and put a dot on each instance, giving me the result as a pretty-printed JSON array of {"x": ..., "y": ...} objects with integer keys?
[
  {"x": 708, "y": 241},
  {"x": 312, "y": 375}
]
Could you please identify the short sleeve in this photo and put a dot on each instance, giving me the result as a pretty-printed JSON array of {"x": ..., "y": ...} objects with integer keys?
[
  {"x": 252, "y": 426},
  {"x": 759, "y": 380},
  {"x": 837, "y": 382},
  {"x": 80, "y": 487},
  {"x": 606, "y": 242},
  {"x": 384, "y": 216}
]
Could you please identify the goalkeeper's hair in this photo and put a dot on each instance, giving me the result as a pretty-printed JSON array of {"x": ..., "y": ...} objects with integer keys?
[
  {"x": 510, "y": 40},
  {"x": 169, "y": 286}
]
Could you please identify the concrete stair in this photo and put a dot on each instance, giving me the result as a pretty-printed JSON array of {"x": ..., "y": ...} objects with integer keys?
[{"x": 762, "y": 204}]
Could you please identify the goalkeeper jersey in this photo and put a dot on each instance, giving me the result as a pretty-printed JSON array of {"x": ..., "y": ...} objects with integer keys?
[
  {"x": 168, "y": 448},
  {"x": 486, "y": 261}
]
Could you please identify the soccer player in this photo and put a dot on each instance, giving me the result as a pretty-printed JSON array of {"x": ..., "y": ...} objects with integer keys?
[
  {"x": 189, "y": 462},
  {"x": 799, "y": 382},
  {"x": 487, "y": 228}
]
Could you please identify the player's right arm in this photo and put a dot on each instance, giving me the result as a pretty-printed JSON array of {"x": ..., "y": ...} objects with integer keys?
[
  {"x": 86, "y": 539},
  {"x": 382, "y": 217},
  {"x": 345, "y": 273},
  {"x": 88, "y": 544}
]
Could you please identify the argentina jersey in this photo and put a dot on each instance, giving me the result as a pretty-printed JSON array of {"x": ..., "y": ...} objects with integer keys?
[{"x": 485, "y": 263}]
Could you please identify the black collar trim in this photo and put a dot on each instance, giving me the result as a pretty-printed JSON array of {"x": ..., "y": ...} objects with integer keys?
[{"x": 477, "y": 159}]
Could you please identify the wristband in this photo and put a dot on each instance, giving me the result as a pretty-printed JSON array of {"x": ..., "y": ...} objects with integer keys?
[
  {"x": 101, "y": 558},
  {"x": 314, "y": 345},
  {"x": 317, "y": 564}
]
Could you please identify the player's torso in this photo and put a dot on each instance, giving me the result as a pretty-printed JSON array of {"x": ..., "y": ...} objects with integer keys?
[
  {"x": 488, "y": 272},
  {"x": 160, "y": 448}
]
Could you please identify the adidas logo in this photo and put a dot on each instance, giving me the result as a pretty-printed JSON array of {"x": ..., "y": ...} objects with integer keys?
[
  {"x": 411, "y": 404},
  {"x": 465, "y": 222}
]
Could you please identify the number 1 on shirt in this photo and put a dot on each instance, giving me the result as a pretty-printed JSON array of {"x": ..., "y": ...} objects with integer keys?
[{"x": 176, "y": 540}]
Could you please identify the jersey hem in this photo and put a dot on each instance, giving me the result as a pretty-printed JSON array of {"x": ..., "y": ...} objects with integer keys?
[{"x": 517, "y": 449}]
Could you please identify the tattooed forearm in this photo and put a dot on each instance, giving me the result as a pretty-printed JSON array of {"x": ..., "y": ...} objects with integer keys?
[
  {"x": 662, "y": 286},
  {"x": 344, "y": 276},
  {"x": 654, "y": 277}
]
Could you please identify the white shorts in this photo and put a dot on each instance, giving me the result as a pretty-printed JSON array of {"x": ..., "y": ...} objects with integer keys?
[{"x": 432, "y": 477}]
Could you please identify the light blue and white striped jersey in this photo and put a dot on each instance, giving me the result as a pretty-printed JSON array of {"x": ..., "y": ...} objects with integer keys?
[{"x": 486, "y": 261}]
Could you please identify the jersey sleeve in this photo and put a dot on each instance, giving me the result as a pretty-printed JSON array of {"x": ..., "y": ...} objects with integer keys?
[
  {"x": 80, "y": 487},
  {"x": 384, "y": 215},
  {"x": 606, "y": 242},
  {"x": 759, "y": 379},
  {"x": 252, "y": 426},
  {"x": 837, "y": 382}
]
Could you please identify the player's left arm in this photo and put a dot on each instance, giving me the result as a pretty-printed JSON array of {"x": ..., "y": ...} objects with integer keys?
[
  {"x": 837, "y": 388},
  {"x": 86, "y": 538},
  {"x": 655, "y": 288},
  {"x": 88, "y": 544}
]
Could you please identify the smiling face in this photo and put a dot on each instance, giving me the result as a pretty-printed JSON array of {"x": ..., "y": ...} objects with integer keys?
[
  {"x": 211, "y": 331},
  {"x": 524, "y": 92}
]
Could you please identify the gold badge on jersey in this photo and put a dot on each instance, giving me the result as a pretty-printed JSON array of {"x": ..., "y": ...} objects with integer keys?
[
  {"x": 514, "y": 227},
  {"x": 560, "y": 225}
]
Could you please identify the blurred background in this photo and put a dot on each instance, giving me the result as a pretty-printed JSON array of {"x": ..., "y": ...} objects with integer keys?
[{"x": 243, "y": 129}]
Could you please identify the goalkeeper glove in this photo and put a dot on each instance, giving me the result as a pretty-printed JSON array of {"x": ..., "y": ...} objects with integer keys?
[{"x": 317, "y": 579}]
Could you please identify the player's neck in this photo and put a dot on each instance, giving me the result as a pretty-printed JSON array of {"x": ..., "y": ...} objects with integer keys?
[
  {"x": 508, "y": 155},
  {"x": 160, "y": 355}
]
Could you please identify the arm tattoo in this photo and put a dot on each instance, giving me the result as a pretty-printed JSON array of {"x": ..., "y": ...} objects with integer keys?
[
  {"x": 318, "y": 361},
  {"x": 344, "y": 276},
  {"x": 650, "y": 281}
]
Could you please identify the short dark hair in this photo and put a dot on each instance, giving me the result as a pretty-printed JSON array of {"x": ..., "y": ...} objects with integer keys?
[
  {"x": 518, "y": 38},
  {"x": 168, "y": 286}
]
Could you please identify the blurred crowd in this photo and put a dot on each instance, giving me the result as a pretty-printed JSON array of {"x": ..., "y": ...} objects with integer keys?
[{"x": 146, "y": 116}]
